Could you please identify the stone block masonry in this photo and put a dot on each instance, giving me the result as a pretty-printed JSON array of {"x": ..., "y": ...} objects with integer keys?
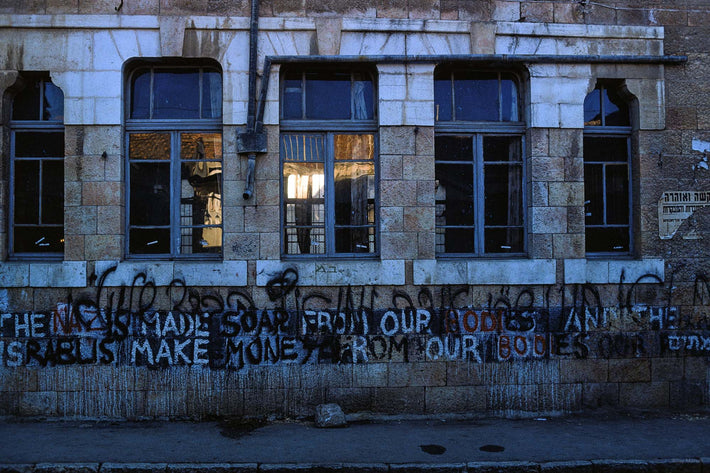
[
  {"x": 202, "y": 352},
  {"x": 409, "y": 327}
]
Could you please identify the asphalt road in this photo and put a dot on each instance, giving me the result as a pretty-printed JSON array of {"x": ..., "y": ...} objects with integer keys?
[{"x": 393, "y": 440}]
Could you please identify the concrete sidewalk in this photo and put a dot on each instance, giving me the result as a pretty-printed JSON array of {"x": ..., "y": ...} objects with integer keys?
[{"x": 594, "y": 442}]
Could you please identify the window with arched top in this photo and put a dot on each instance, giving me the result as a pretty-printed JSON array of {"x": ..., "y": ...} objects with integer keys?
[
  {"x": 37, "y": 169},
  {"x": 480, "y": 176},
  {"x": 607, "y": 171},
  {"x": 174, "y": 165}
]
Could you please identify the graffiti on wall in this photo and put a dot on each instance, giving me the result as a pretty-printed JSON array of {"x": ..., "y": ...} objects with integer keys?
[{"x": 144, "y": 325}]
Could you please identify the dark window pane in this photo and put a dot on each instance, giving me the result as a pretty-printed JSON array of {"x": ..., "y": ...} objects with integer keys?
[
  {"x": 140, "y": 95},
  {"x": 617, "y": 194},
  {"x": 328, "y": 96},
  {"x": 37, "y": 144},
  {"x": 616, "y": 111},
  {"x": 354, "y": 193},
  {"x": 211, "y": 94},
  {"x": 53, "y": 103},
  {"x": 150, "y": 194},
  {"x": 26, "y": 105},
  {"x": 293, "y": 97},
  {"x": 509, "y": 97},
  {"x": 592, "y": 109},
  {"x": 605, "y": 149},
  {"x": 53, "y": 192},
  {"x": 501, "y": 148},
  {"x": 455, "y": 240},
  {"x": 504, "y": 240},
  {"x": 454, "y": 148},
  {"x": 594, "y": 194},
  {"x": 476, "y": 97},
  {"x": 46, "y": 239},
  {"x": 26, "y": 187},
  {"x": 454, "y": 192},
  {"x": 607, "y": 240},
  {"x": 352, "y": 240},
  {"x": 143, "y": 241},
  {"x": 149, "y": 146},
  {"x": 442, "y": 99},
  {"x": 176, "y": 94},
  {"x": 503, "y": 195}
]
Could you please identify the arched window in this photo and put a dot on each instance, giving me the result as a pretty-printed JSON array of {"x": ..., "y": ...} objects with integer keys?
[
  {"x": 480, "y": 197},
  {"x": 174, "y": 165},
  {"x": 607, "y": 171},
  {"x": 328, "y": 148},
  {"x": 37, "y": 169}
]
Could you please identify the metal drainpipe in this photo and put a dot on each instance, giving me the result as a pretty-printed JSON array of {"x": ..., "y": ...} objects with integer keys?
[{"x": 252, "y": 140}]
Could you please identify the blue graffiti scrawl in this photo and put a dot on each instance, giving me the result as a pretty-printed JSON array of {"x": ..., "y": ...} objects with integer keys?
[{"x": 228, "y": 331}]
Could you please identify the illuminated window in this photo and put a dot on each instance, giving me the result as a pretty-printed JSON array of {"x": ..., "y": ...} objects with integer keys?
[
  {"x": 479, "y": 164},
  {"x": 37, "y": 169},
  {"x": 607, "y": 164},
  {"x": 328, "y": 161},
  {"x": 174, "y": 165}
]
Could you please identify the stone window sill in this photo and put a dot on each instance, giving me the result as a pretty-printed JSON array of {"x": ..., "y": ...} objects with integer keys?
[
  {"x": 335, "y": 273},
  {"x": 609, "y": 271},
  {"x": 162, "y": 273},
  {"x": 486, "y": 272},
  {"x": 31, "y": 274}
]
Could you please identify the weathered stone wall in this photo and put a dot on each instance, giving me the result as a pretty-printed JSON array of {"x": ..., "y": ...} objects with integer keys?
[{"x": 98, "y": 335}]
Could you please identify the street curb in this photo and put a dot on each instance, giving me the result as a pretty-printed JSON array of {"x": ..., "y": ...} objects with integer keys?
[{"x": 674, "y": 465}]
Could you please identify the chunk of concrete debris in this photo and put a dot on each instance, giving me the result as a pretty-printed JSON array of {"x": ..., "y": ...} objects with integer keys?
[{"x": 329, "y": 415}]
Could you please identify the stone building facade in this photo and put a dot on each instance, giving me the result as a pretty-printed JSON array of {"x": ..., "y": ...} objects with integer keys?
[{"x": 409, "y": 206}]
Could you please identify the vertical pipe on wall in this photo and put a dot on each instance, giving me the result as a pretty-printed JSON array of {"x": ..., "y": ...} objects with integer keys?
[
  {"x": 249, "y": 139},
  {"x": 249, "y": 189}
]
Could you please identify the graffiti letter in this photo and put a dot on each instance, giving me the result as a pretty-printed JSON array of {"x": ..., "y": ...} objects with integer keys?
[
  {"x": 423, "y": 320},
  {"x": 438, "y": 347},
  {"x": 14, "y": 354},
  {"x": 360, "y": 347},
  {"x": 504, "y": 347},
  {"x": 674, "y": 342},
  {"x": 144, "y": 349},
  {"x": 467, "y": 317},
  {"x": 389, "y": 315},
  {"x": 540, "y": 345},
  {"x": 164, "y": 352},
  {"x": 25, "y": 325},
  {"x": 469, "y": 351}
]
